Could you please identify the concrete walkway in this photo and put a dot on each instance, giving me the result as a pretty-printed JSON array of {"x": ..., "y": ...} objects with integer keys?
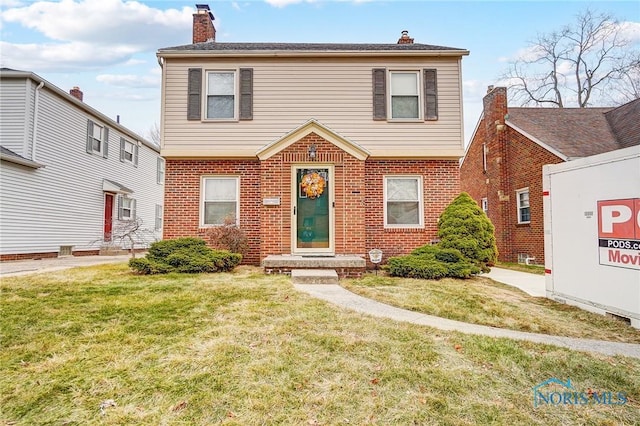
[
  {"x": 25, "y": 267},
  {"x": 339, "y": 296},
  {"x": 532, "y": 284}
]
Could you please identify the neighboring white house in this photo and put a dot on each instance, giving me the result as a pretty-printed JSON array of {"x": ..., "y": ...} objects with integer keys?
[{"x": 70, "y": 177}]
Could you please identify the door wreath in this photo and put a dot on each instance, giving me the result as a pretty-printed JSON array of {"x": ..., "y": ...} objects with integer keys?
[{"x": 313, "y": 185}]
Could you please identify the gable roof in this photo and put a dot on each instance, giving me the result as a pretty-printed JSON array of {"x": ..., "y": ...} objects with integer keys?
[
  {"x": 625, "y": 123},
  {"x": 574, "y": 132},
  {"x": 11, "y": 73},
  {"x": 309, "y": 49},
  {"x": 312, "y": 126}
]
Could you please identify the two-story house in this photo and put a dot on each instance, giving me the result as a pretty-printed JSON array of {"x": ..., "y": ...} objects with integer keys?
[
  {"x": 72, "y": 180},
  {"x": 502, "y": 166},
  {"x": 314, "y": 149}
]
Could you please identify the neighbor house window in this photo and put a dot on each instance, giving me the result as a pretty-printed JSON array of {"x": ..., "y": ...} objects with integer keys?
[
  {"x": 405, "y": 95},
  {"x": 524, "y": 212},
  {"x": 220, "y": 200},
  {"x": 160, "y": 171},
  {"x": 158, "y": 217},
  {"x": 97, "y": 139},
  {"x": 126, "y": 208},
  {"x": 128, "y": 152},
  {"x": 221, "y": 95},
  {"x": 484, "y": 203},
  {"x": 403, "y": 202}
]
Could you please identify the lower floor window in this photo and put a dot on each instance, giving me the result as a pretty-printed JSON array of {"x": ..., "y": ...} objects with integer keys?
[
  {"x": 158, "y": 217},
  {"x": 524, "y": 212},
  {"x": 403, "y": 202},
  {"x": 220, "y": 200},
  {"x": 126, "y": 208}
]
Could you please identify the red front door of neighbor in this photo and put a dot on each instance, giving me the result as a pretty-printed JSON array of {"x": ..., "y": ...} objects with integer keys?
[{"x": 108, "y": 216}]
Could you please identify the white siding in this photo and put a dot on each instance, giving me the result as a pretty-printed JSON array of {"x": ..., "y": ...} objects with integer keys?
[
  {"x": 336, "y": 92},
  {"x": 63, "y": 202},
  {"x": 15, "y": 115}
]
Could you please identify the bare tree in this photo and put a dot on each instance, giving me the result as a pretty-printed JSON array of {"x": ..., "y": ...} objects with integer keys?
[
  {"x": 128, "y": 234},
  {"x": 590, "y": 60},
  {"x": 154, "y": 134}
]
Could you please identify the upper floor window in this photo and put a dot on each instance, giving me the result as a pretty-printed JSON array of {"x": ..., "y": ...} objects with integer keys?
[
  {"x": 128, "y": 152},
  {"x": 403, "y": 202},
  {"x": 221, "y": 95},
  {"x": 228, "y": 93},
  {"x": 220, "y": 200},
  {"x": 97, "y": 139},
  {"x": 405, "y": 94},
  {"x": 522, "y": 198},
  {"x": 160, "y": 171}
]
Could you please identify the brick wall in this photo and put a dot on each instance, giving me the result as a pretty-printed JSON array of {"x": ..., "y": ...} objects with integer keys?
[
  {"x": 512, "y": 162},
  {"x": 358, "y": 186},
  {"x": 182, "y": 198}
]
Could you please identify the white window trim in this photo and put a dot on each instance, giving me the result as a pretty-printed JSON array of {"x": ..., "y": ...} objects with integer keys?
[
  {"x": 203, "y": 179},
  {"x": 159, "y": 217},
  {"x": 236, "y": 94},
  {"x": 161, "y": 169},
  {"x": 420, "y": 95},
  {"x": 420, "y": 225},
  {"x": 133, "y": 153},
  {"x": 101, "y": 140},
  {"x": 130, "y": 209},
  {"x": 518, "y": 206},
  {"x": 484, "y": 205}
]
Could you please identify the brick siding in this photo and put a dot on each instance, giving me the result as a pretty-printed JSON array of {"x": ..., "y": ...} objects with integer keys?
[{"x": 357, "y": 185}]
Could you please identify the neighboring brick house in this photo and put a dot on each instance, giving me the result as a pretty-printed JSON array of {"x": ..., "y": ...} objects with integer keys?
[
  {"x": 502, "y": 167},
  {"x": 315, "y": 149}
]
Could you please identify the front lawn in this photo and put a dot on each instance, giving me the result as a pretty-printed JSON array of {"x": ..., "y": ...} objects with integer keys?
[
  {"x": 243, "y": 348},
  {"x": 481, "y": 300}
]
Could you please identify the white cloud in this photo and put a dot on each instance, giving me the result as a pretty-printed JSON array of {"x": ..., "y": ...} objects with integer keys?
[
  {"x": 105, "y": 22},
  {"x": 630, "y": 30},
  {"x": 130, "y": 80},
  {"x": 61, "y": 57}
]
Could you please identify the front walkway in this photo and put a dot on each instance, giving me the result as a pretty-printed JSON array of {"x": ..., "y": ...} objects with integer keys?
[
  {"x": 532, "y": 284},
  {"x": 338, "y": 295}
]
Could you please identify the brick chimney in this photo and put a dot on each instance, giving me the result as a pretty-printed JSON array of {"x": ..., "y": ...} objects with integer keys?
[
  {"x": 495, "y": 107},
  {"x": 404, "y": 38},
  {"x": 76, "y": 93},
  {"x": 203, "y": 29}
]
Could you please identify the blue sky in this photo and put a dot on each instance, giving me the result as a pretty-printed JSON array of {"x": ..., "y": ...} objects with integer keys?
[{"x": 107, "y": 47}]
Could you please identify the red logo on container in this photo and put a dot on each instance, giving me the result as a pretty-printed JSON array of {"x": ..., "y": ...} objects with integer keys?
[{"x": 619, "y": 219}]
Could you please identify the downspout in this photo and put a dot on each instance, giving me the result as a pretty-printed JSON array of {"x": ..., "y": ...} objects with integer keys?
[{"x": 35, "y": 121}]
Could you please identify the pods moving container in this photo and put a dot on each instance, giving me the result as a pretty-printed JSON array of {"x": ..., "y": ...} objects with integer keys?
[{"x": 592, "y": 233}]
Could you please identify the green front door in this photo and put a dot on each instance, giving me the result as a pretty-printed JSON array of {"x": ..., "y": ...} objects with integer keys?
[{"x": 312, "y": 211}]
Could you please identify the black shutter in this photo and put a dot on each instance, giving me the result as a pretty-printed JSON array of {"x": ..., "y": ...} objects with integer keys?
[
  {"x": 135, "y": 154},
  {"x": 430, "y": 94},
  {"x": 90, "y": 136},
  {"x": 246, "y": 93},
  {"x": 122, "y": 143},
  {"x": 379, "y": 94},
  {"x": 105, "y": 142},
  {"x": 194, "y": 103}
]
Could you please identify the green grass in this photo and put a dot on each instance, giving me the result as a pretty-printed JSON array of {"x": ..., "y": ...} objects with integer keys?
[
  {"x": 247, "y": 349},
  {"x": 481, "y": 300},
  {"x": 533, "y": 269}
]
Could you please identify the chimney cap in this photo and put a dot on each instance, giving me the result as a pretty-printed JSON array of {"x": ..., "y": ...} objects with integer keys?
[{"x": 204, "y": 8}]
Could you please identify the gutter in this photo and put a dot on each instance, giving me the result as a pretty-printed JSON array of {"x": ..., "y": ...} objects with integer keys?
[{"x": 306, "y": 53}]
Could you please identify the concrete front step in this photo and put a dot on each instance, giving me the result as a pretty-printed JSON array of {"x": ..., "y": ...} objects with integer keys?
[
  {"x": 347, "y": 266},
  {"x": 314, "y": 276}
]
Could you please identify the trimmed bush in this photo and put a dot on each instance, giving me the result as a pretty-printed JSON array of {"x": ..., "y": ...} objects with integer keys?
[
  {"x": 465, "y": 227},
  {"x": 185, "y": 255},
  {"x": 432, "y": 262}
]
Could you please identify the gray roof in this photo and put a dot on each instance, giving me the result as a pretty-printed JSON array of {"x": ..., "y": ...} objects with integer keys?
[
  {"x": 581, "y": 132},
  {"x": 311, "y": 47},
  {"x": 8, "y": 155}
]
